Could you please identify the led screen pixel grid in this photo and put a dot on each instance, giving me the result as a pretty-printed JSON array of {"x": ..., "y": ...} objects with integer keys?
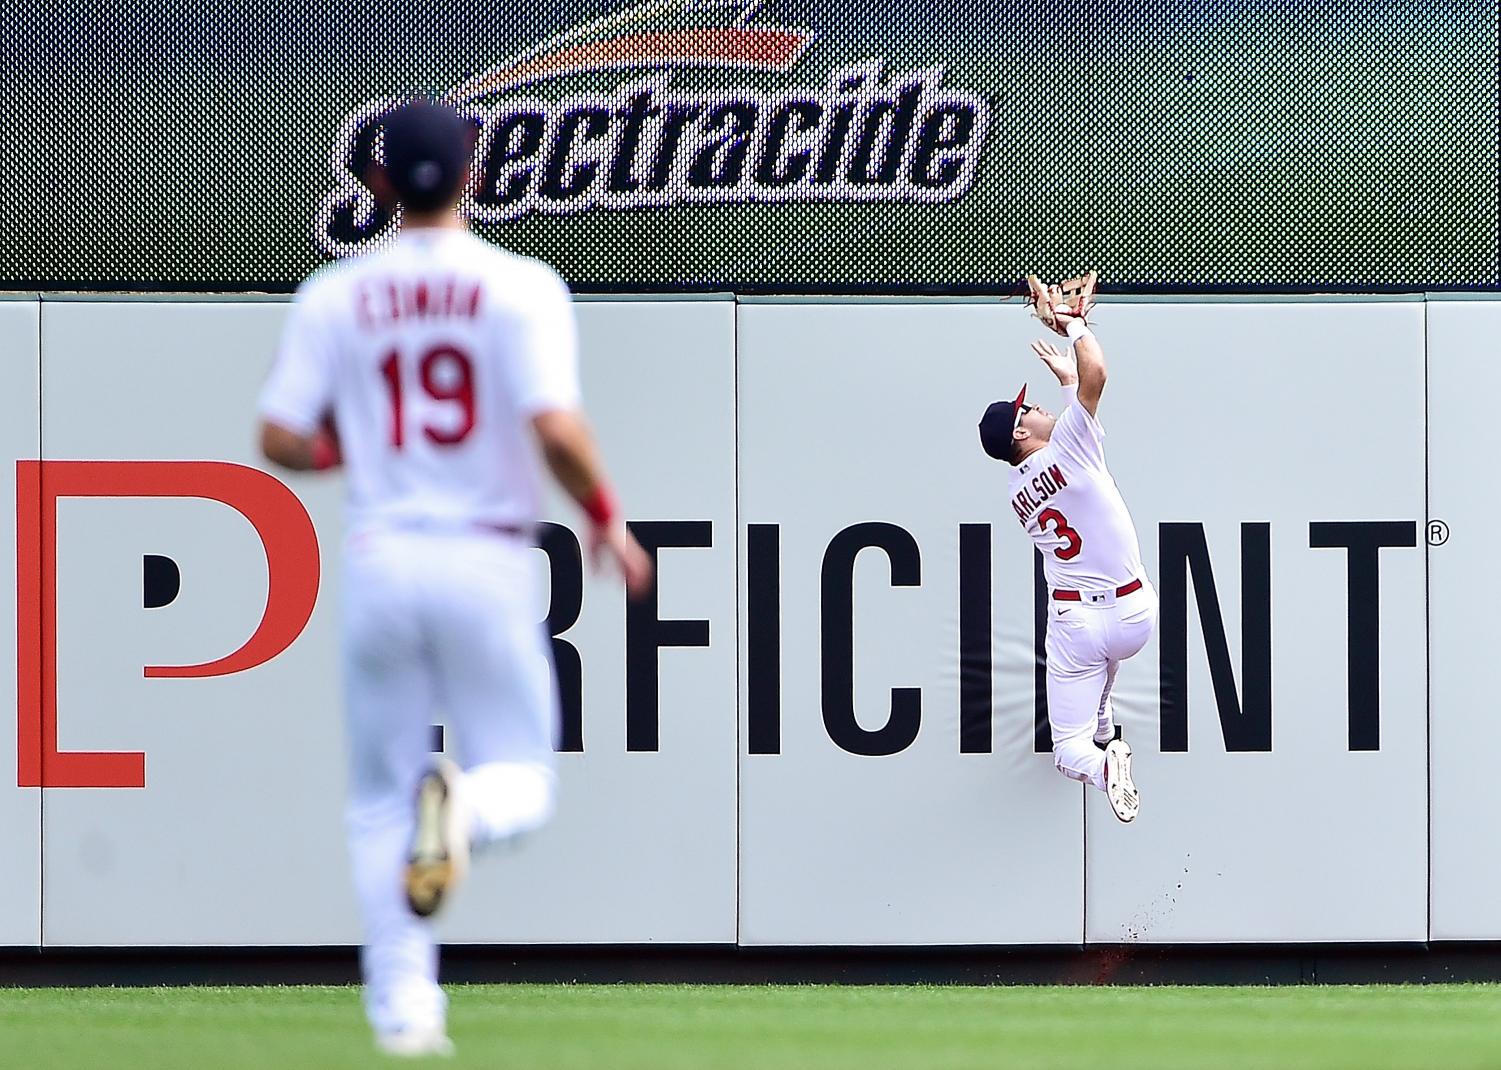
[{"x": 792, "y": 145}]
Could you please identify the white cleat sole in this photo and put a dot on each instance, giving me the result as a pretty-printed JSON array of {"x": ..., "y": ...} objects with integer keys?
[
  {"x": 1120, "y": 789},
  {"x": 414, "y": 1043},
  {"x": 439, "y": 856}
]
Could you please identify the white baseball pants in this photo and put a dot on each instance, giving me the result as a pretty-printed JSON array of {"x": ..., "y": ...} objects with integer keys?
[
  {"x": 1086, "y": 643},
  {"x": 437, "y": 624}
]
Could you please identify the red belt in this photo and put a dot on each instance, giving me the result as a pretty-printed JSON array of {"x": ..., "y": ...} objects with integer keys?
[{"x": 1075, "y": 596}]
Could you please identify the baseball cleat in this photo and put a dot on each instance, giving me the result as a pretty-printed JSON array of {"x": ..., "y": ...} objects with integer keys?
[
  {"x": 439, "y": 856},
  {"x": 414, "y": 1043},
  {"x": 1120, "y": 789}
]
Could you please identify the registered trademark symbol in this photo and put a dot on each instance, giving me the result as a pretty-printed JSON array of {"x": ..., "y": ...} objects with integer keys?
[{"x": 1438, "y": 533}]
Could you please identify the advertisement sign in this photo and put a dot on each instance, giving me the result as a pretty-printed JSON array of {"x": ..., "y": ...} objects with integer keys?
[
  {"x": 20, "y": 807},
  {"x": 184, "y": 807},
  {"x": 1463, "y": 512},
  {"x": 771, "y": 145},
  {"x": 1272, "y": 458},
  {"x": 189, "y": 709},
  {"x": 642, "y": 849},
  {"x": 1291, "y": 626},
  {"x": 829, "y": 725},
  {"x": 891, "y": 789}
]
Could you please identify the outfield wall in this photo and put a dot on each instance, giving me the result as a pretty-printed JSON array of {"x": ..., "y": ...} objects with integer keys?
[{"x": 829, "y": 728}]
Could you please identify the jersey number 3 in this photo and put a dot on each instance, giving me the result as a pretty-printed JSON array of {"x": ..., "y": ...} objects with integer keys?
[
  {"x": 446, "y": 374},
  {"x": 1059, "y": 523}
]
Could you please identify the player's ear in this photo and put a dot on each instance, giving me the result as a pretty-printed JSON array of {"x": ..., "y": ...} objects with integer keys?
[
  {"x": 1020, "y": 434},
  {"x": 379, "y": 184}
]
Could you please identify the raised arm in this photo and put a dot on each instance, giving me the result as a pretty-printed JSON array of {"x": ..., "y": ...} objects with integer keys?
[
  {"x": 1090, "y": 359},
  {"x": 1064, "y": 309}
]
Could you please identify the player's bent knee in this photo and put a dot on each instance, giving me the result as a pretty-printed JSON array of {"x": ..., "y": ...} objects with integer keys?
[
  {"x": 1073, "y": 774},
  {"x": 510, "y": 799},
  {"x": 1072, "y": 756}
]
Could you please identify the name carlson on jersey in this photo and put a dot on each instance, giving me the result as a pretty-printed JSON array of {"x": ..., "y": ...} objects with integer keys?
[{"x": 1031, "y": 497}]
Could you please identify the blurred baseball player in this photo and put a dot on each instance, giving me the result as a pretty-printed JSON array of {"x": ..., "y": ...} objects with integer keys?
[
  {"x": 449, "y": 368},
  {"x": 1101, "y": 608}
]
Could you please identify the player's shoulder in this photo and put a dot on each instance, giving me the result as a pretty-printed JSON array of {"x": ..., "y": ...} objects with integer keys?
[
  {"x": 328, "y": 283},
  {"x": 523, "y": 278}
]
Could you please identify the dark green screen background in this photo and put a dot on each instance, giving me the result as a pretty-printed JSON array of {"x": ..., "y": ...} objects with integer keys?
[{"x": 1175, "y": 146}]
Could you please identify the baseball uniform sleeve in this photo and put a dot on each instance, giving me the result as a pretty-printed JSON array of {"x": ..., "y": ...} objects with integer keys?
[
  {"x": 1078, "y": 433},
  {"x": 544, "y": 368},
  {"x": 300, "y": 389}
]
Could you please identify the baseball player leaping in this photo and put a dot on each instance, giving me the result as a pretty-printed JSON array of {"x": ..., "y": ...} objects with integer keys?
[
  {"x": 449, "y": 368},
  {"x": 1101, "y": 608}
]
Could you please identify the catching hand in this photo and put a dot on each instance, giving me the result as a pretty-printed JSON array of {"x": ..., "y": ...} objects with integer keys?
[
  {"x": 1056, "y": 306},
  {"x": 1060, "y": 364}
]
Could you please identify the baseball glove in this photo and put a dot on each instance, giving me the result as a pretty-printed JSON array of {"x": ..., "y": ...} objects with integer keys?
[{"x": 1071, "y": 299}]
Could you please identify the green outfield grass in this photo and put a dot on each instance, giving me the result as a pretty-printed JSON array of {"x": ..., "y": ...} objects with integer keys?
[{"x": 665, "y": 1027}]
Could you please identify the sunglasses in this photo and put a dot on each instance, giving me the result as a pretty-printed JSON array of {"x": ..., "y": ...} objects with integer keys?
[{"x": 1025, "y": 408}]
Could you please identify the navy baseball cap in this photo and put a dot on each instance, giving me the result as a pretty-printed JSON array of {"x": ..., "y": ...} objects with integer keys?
[
  {"x": 998, "y": 423},
  {"x": 427, "y": 147}
]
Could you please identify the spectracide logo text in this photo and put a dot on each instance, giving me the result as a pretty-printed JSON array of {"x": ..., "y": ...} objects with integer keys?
[{"x": 863, "y": 136}]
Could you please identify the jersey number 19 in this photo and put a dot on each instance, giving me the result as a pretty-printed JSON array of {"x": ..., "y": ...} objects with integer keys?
[{"x": 446, "y": 374}]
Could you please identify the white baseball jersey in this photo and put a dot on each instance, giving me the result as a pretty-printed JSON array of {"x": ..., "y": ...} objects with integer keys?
[
  {"x": 431, "y": 356},
  {"x": 1066, "y": 499}
]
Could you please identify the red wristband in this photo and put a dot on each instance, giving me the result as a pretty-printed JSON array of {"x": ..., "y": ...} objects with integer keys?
[
  {"x": 600, "y": 506},
  {"x": 325, "y": 452}
]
